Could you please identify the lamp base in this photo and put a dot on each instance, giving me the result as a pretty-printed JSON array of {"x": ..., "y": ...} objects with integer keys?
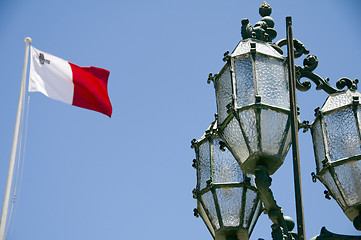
[
  {"x": 354, "y": 214},
  {"x": 271, "y": 162},
  {"x": 357, "y": 222},
  {"x": 232, "y": 234}
]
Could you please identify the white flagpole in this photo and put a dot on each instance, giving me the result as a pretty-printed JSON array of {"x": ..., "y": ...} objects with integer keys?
[{"x": 15, "y": 143}]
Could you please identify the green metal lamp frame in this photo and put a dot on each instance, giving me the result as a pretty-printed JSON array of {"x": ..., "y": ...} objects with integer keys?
[{"x": 263, "y": 31}]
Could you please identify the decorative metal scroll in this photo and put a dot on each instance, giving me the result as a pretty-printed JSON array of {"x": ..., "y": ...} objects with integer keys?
[
  {"x": 309, "y": 64},
  {"x": 299, "y": 50}
]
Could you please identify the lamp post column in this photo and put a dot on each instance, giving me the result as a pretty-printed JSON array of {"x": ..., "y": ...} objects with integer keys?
[{"x": 294, "y": 130}]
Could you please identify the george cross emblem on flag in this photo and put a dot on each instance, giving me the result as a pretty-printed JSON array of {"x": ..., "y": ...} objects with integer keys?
[{"x": 42, "y": 59}]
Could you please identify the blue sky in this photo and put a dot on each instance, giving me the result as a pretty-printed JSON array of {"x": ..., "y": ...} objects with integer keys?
[{"x": 86, "y": 176}]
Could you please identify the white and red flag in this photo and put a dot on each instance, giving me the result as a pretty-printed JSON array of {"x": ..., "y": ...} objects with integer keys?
[{"x": 56, "y": 78}]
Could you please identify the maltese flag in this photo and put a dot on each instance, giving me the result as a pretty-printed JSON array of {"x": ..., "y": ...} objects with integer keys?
[{"x": 58, "y": 79}]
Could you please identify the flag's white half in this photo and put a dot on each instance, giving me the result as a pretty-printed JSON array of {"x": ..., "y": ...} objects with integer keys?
[{"x": 51, "y": 76}]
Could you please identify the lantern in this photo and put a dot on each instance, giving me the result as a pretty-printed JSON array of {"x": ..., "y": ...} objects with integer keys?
[
  {"x": 253, "y": 105},
  {"x": 337, "y": 146},
  {"x": 227, "y": 199}
]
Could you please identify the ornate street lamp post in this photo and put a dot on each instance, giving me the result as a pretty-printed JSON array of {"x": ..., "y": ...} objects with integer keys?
[{"x": 257, "y": 120}]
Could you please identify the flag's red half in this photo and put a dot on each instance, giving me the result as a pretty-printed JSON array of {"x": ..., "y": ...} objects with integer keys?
[{"x": 90, "y": 89}]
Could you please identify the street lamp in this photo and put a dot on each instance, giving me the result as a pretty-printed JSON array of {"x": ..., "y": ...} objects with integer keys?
[
  {"x": 336, "y": 135},
  {"x": 257, "y": 120},
  {"x": 253, "y": 105},
  {"x": 227, "y": 199}
]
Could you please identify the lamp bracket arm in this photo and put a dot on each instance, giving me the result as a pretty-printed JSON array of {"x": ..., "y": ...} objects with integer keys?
[
  {"x": 309, "y": 64},
  {"x": 305, "y": 72},
  {"x": 263, "y": 183},
  {"x": 299, "y": 47}
]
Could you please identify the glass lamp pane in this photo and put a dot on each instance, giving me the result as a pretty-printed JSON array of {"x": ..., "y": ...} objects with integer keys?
[
  {"x": 265, "y": 48},
  {"x": 337, "y": 100},
  {"x": 232, "y": 134},
  {"x": 272, "y": 81},
  {"x": 342, "y": 134},
  {"x": 255, "y": 216},
  {"x": 349, "y": 176},
  {"x": 248, "y": 119},
  {"x": 230, "y": 202},
  {"x": 251, "y": 201},
  {"x": 319, "y": 146},
  {"x": 208, "y": 200},
  {"x": 244, "y": 82},
  {"x": 287, "y": 145},
  {"x": 244, "y": 47},
  {"x": 330, "y": 183},
  {"x": 273, "y": 126},
  {"x": 205, "y": 218},
  {"x": 226, "y": 167},
  {"x": 204, "y": 167},
  {"x": 223, "y": 87}
]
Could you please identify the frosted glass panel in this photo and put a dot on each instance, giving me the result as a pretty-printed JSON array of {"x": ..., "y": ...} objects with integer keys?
[
  {"x": 230, "y": 200},
  {"x": 204, "y": 164},
  {"x": 337, "y": 100},
  {"x": 233, "y": 136},
  {"x": 223, "y": 88},
  {"x": 245, "y": 47},
  {"x": 349, "y": 176},
  {"x": 204, "y": 216},
  {"x": 251, "y": 201},
  {"x": 244, "y": 79},
  {"x": 248, "y": 119},
  {"x": 330, "y": 183},
  {"x": 226, "y": 167},
  {"x": 265, "y": 48},
  {"x": 273, "y": 125},
  {"x": 287, "y": 144},
  {"x": 209, "y": 202},
  {"x": 255, "y": 216},
  {"x": 319, "y": 147},
  {"x": 272, "y": 82},
  {"x": 342, "y": 135}
]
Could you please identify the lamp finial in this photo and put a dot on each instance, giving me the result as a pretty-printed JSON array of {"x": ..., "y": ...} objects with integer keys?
[{"x": 265, "y": 9}]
